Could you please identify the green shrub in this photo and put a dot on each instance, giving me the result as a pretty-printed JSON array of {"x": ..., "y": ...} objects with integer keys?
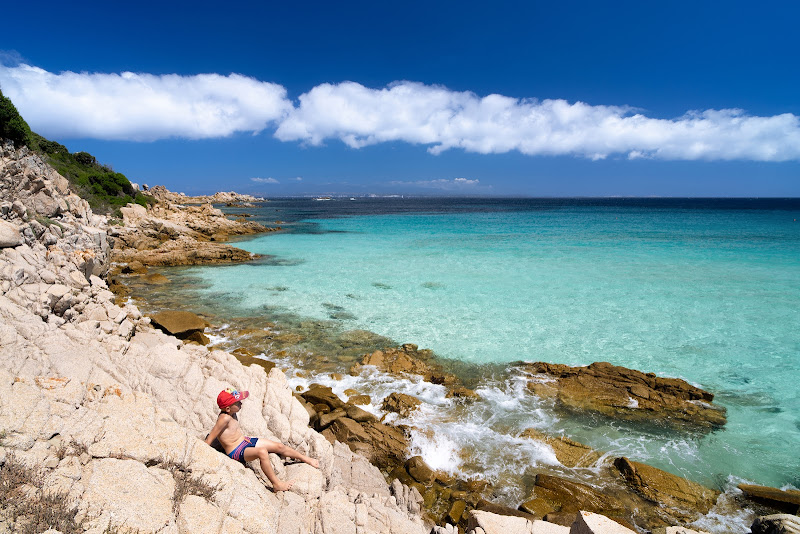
[{"x": 13, "y": 126}]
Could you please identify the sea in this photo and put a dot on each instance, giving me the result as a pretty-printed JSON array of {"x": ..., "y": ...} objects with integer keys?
[{"x": 706, "y": 290}]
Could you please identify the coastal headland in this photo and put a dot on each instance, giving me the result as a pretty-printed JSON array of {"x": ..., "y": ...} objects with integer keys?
[{"x": 105, "y": 408}]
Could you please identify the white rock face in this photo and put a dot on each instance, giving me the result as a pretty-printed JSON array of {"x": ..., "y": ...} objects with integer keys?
[
  {"x": 114, "y": 411},
  {"x": 591, "y": 523},
  {"x": 9, "y": 235}
]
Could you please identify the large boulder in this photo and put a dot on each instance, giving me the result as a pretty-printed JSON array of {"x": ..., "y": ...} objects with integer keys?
[
  {"x": 10, "y": 235},
  {"x": 178, "y": 323},
  {"x": 683, "y": 498},
  {"x": 625, "y": 393}
]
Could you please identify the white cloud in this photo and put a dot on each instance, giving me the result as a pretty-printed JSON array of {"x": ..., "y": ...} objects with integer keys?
[
  {"x": 443, "y": 183},
  {"x": 141, "y": 107},
  {"x": 444, "y": 119},
  {"x": 265, "y": 180},
  {"x": 146, "y": 107}
]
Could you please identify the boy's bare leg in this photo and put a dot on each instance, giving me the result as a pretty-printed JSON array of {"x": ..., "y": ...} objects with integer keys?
[
  {"x": 262, "y": 453},
  {"x": 288, "y": 452}
]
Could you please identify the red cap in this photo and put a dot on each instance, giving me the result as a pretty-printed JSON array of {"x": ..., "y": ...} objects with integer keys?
[{"x": 230, "y": 396}]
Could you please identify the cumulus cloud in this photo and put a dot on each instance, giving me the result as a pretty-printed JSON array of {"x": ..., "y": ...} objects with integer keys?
[
  {"x": 444, "y": 119},
  {"x": 265, "y": 180},
  {"x": 142, "y": 107},
  {"x": 442, "y": 183}
]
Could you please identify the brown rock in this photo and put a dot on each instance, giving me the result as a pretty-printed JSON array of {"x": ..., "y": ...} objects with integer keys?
[
  {"x": 357, "y": 414},
  {"x": 419, "y": 470},
  {"x": 787, "y": 501},
  {"x": 318, "y": 394},
  {"x": 569, "y": 453},
  {"x": 382, "y": 445},
  {"x": 346, "y": 430},
  {"x": 178, "y": 322},
  {"x": 461, "y": 392},
  {"x": 565, "y": 519},
  {"x": 156, "y": 278},
  {"x": 362, "y": 400},
  {"x": 401, "y": 403},
  {"x": 626, "y": 393},
  {"x": 456, "y": 510},
  {"x": 134, "y": 267},
  {"x": 321, "y": 408},
  {"x": 328, "y": 418},
  {"x": 196, "y": 337},
  {"x": 685, "y": 499},
  {"x": 477, "y": 485},
  {"x": 539, "y": 508},
  {"x": 407, "y": 359},
  {"x": 566, "y": 496}
]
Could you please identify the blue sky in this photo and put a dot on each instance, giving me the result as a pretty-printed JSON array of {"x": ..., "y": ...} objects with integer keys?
[{"x": 500, "y": 98}]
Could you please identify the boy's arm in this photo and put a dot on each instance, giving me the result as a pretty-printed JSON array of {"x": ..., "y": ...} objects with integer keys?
[{"x": 222, "y": 422}]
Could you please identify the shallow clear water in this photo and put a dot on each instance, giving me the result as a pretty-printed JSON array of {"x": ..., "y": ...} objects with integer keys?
[{"x": 706, "y": 293}]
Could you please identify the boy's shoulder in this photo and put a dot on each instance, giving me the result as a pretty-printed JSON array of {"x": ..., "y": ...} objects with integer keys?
[{"x": 225, "y": 417}]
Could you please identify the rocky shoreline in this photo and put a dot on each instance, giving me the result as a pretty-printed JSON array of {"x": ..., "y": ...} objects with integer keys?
[{"x": 93, "y": 394}]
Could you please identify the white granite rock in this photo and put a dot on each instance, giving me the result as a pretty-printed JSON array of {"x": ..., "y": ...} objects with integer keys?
[{"x": 591, "y": 523}]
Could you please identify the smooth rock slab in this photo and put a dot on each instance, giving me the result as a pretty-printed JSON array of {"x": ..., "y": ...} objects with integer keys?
[
  {"x": 591, "y": 523},
  {"x": 132, "y": 495},
  {"x": 178, "y": 322},
  {"x": 10, "y": 235}
]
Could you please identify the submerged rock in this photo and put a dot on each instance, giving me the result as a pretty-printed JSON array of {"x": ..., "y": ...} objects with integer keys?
[
  {"x": 569, "y": 453},
  {"x": 625, "y": 393}
]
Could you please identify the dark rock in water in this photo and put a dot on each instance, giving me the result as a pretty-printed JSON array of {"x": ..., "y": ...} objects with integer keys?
[
  {"x": 684, "y": 499},
  {"x": 776, "y": 524},
  {"x": 420, "y": 471},
  {"x": 409, "y": 360},
  {"x": 135, "y": 267},
  {"x": 178, "y": 322},
  {"x": 456, "y": 511},
  {"x": 358, "y": 415},
  {"x": 787, "y": 501},
  {"x": 555, "y": 494},
  {"x": 626, "y": 393},
  {"x": 360, "y": 399},
  {"x": 156, "y": 278},
  {"x": 198, "y": 337},
  {"x": 401, "y": 403},
  {"x": 569, "y": 453}
]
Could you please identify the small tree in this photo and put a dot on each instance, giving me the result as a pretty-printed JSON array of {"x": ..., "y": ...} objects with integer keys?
[{"x": 12, "y": 125}]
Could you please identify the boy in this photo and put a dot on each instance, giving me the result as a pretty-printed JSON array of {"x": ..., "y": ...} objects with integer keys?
[{"x": 245, "y": 449}]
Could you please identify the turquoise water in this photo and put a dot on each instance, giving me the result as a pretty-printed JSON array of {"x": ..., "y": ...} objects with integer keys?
[{"x": 708, "y": 295}]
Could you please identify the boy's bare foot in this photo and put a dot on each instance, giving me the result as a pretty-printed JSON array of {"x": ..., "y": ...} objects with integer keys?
[{"x": 282, "y": 486}]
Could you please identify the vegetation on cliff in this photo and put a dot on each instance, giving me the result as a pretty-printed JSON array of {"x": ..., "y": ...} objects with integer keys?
[{"x": 105, "y": 190}]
